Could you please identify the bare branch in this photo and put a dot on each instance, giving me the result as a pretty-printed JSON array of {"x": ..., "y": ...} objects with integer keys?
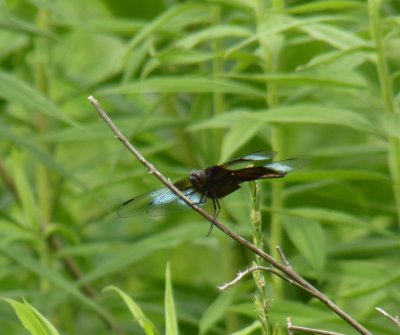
[
  {"x": 268, "y": 258},
  {"x": 292, "y": 329},
  {"x": 289, "y": 325},
  {"x": 72, "y": 267},
  {"x": 282, "y": 256},
  {"x": 394, "y": 319},
  {"x": 244, "y": 273},
  {"x": 7, "y": 179}
]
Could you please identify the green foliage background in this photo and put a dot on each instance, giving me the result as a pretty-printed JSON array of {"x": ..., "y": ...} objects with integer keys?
[{"x": 192, "y": 84}]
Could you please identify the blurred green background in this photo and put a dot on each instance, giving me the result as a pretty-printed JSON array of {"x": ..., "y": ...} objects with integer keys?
[{"x": 195, "y": 83}]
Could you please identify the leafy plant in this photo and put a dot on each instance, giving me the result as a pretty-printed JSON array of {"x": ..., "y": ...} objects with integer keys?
[{"x": 193, "y": 84}]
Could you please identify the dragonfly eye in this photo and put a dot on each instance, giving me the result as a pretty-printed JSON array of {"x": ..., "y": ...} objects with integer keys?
[{"x": 198, "y": 178}]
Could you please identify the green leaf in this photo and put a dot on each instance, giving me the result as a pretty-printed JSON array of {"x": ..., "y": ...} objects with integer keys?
[
  {"x": 171, "y": 324},
  {"x": 328, "y": 78},
  {"x": 181, "y": 15},
  {"x": 317, "y": 115},
  {"x": 143, "y": 248},
  {"x": 306, "y": 314},
  {"x": 295, "y": 114},
  {"x": 325, "y": 5},
  {"x": 339, "y": 175},
  {"x": 339, "y": 38},
  {"x": 217, "y": 310},
  {"x": 12, "y": 231},
  {"x": 18, "y": 91},
  {"x": 25, "y": 192},
  {"x": 363, "y": 277},
  {"x": 109, "y": 25},
  {"x": 26, "y": 142},
  {"x": 309, "y": 238},
  {"x": 215, "y": 32},
  {"x": 330, "y": 216},
  {"x": 88, "y": 249},
  {"x": 183, "y": 56},
  {"x": 54, "y": 278},
  {"x": 323, "y": 59},
  {"x": 243, "y": 5},
  {"x": 238, "y": 136},
  {"x": 135, "y": 310},
  {"x": 251, "y": 329},
  {"x": 99, "y": 131},
  {"x": 391, "y": 124},
  {"x": 187, "y": 13},
  {"x": 283, "y": 24},
  {"x": 31, "y": 319},
  {"x": 12, "y": 43},
  {"x": 13, "y": 23},
  {"x": 184, "y": 85},
  {"x": 378, "y": 246},
  {"x": 78, "y": 62}
]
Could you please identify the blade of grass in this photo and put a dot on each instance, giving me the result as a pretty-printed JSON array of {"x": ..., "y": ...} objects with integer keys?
[
  {"x": 183, "y": 84},
  {"x": 294, "y": 114},
  {"x": 171, "y": 324},
  {"x": 54, "y": 278},
  {"x": 135, "y": 310},
  {"x": 16, "y": 90},
  {"x": 31, "y": 319}
]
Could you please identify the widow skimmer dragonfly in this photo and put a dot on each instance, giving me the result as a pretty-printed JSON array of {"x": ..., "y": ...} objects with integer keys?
[{"x": 210, "y": 184}]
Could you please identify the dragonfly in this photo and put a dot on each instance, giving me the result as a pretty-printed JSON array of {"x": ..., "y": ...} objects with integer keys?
[{"x": 209, "y": 185}]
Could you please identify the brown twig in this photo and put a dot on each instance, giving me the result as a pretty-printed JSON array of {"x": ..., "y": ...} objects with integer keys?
[
  {"x": 275, "y": 263},
  {"x": 282, "y": 256},
  {"x": 392, "y": 318},
  {"x": 71, "y": 267},
  {"x": 292, "y": 329},
  {"x": 289, "y": 325},
  {"x": 7, "y": 179},
  {"x": 244, "y": 273}
]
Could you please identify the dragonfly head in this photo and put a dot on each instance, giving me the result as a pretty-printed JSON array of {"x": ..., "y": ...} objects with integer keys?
[{"x": 198, "y": 179}]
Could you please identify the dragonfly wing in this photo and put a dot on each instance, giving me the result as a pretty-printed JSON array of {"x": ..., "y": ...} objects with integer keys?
[
  {"x": 171, "y": 203},
  {"x": 287, "y": 165},
  {"x": 138, "y": 205},
  {"x": 257, "y": 156},
  {"x": 161, "y": 202}
]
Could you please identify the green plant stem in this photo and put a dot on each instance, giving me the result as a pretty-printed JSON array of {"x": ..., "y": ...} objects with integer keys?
[
  {"x": 42, "y": 85},
  {"x": 217, "y": 97},
  {"x": 387, "y": 97},
  {"x": 43, "y": 183},
  {"x": 261, "y": 301},
  {"x": 277, "y": 205},
  {"x": 276, "y": 188},
  {"x": 218, "y": 107},
  {"x": 256, "y": 214},
  {"x": 272, "y": 100}
]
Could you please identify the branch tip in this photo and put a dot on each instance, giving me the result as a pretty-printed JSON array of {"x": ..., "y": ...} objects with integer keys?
[{"x": 394, "y": 319}]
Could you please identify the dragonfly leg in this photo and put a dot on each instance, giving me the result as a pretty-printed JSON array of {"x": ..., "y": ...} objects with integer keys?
[
  {"x": 203, "y": 199},
  {"x": 210, "y": 229},
  {"x": 217, "y": 208}
]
